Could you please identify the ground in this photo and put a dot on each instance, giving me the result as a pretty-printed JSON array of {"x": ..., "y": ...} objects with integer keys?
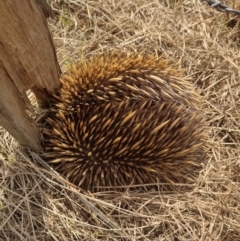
[{"x": 36, "y": 204}]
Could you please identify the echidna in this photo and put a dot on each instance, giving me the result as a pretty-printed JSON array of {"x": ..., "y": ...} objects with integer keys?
[{"x": 122, "y": 119}]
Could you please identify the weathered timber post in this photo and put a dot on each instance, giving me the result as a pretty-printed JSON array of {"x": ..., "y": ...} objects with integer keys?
[{"x": 27, "y": 61}]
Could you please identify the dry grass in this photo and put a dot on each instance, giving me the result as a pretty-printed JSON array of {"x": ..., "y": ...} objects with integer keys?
[{"x": 36, "y": 204}]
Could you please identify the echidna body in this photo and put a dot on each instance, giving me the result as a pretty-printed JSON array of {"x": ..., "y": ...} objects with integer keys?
[{"x": 123, "y": 119}]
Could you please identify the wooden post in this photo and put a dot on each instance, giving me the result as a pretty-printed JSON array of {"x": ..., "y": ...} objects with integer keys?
[{"x": 27, "y": 61}]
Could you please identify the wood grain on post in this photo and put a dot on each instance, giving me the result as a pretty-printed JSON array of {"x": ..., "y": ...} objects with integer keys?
[{"x": 27, "y": 61}]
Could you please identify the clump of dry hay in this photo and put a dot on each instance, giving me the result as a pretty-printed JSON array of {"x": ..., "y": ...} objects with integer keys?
[{"x": 38, "y": 205}]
